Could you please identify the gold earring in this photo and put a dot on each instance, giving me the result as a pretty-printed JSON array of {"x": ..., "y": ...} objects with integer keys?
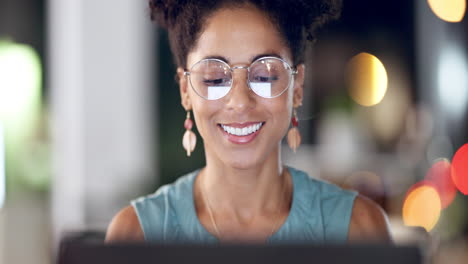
[
  {"x": 189, "y": 140},
  {"x": 294, "y": 136}
]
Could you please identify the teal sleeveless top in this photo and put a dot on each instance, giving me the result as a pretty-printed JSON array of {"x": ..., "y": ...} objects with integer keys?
[{"x": 320, "y": 213}]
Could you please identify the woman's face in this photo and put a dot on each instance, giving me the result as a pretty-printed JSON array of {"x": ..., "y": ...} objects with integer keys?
[{"x": 240, "y": 35}]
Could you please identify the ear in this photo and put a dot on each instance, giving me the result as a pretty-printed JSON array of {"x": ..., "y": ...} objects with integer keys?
[
  {"x": 184, "y": 89},
  {"x": 298, "y": 86}
]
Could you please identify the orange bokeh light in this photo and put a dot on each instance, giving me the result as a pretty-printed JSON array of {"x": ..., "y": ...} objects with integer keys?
[
  {"x": 422, "y": 206},
  {"x": 448, "y": 10},
  {"x": 460, "y": 169},
  {"x": 366, "y": 78},
  {"x": 440, "y": 175}
]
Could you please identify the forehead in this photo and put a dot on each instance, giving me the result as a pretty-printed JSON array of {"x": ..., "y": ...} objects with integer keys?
[{"x": 238, "y": 34}]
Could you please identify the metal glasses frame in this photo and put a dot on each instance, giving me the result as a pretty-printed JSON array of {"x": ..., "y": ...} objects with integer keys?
[{"x": 292, "y": 72}]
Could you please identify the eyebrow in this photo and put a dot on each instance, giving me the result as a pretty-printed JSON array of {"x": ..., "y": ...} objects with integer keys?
[{"x": 270, "y": 54}]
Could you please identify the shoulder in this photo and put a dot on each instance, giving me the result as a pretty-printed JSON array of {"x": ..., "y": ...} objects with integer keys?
[
  {"x": 149, "y": 216},
  {"x": 125, "y": 227},
  {"x": 368, "y": 222},
  {"x": 177, "y": 190},
  {"x": 326, "y": 192}
]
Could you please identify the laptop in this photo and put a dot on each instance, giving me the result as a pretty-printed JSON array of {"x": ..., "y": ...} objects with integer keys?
[{"x": 81, "y": 251}]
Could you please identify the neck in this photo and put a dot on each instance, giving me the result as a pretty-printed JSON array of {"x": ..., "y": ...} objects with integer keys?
[{"x": 245, "y": 192}]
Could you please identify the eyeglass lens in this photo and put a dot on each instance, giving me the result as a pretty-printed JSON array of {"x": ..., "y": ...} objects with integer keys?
[{"x": 212, "y": 79}]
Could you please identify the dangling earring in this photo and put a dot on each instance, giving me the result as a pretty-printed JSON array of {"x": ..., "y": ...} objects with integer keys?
[
  {"x": 189, "y": 140},
  {"x": 294, "y": 136}
]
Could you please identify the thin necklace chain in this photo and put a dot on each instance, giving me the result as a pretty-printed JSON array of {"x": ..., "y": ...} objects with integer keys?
[{"x": 215, "y": 226}]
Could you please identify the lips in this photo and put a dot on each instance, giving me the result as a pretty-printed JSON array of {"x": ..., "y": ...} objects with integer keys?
[{"x": 241, "y": 133}]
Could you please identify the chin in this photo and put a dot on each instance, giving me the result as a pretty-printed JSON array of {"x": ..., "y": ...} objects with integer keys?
[
  {"x": 246, "y": 157},
  {"x": 244, "y": 162},
  {"x": 242, "y": 165}
]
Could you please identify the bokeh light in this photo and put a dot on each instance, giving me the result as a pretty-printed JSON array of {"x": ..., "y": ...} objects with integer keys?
[
  {"x": 20, "y": 103},
  {"x": 20, "y": 78},
  {"x": 440, "y": 175},
  {"x": 460, "y": 169},
  {"x": 448, "y": 10},
  {"x": 366, "y": 79},
  {"x": 453, "y": 80},
  {"x": 2, "y": 167},
  {"x": 422, "y": 206}
]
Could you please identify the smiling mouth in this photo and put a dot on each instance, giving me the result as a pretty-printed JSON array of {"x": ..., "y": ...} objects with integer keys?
[{"x": 242, "y": 131}]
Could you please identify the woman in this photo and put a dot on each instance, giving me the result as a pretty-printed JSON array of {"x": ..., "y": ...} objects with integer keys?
[{"x": 241, "y": 74}]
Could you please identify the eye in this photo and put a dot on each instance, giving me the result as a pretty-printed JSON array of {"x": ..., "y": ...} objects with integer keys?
[
  {"x": 215, "y": 78},
  {"x": 215, "y": 82},
  {"x": 260, "y": 78}
]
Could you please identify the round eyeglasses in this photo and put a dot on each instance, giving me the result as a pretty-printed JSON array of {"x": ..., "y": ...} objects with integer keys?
[{"x": 268, "y": 77}]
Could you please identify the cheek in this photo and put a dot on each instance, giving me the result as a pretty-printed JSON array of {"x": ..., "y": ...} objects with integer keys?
[
  {"x": 286, "y": 112},
  {"x": 285, "y": 119},
  {"x": 281, "y": 109},
  {"x": 284, "y": 105},
  {"x": 203, "y": 113}
]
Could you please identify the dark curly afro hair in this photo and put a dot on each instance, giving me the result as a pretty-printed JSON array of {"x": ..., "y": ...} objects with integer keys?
[{"x": 296, "y": 20}]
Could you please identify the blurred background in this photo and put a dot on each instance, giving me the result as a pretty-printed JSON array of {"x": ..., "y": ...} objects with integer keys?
[{"x": 90, "y": 117}]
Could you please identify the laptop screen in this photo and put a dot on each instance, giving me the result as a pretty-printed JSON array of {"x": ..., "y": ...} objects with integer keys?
[{"x": 77, "y": 252}]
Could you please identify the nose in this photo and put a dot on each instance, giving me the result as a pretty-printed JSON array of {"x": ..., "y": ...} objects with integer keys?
[{"x": 240, "y": 98}]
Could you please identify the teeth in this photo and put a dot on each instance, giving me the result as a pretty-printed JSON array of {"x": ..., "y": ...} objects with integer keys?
[{"x": 242, "y": 131}]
